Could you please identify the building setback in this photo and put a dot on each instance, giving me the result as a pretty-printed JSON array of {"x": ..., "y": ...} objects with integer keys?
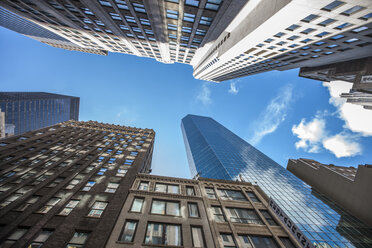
[
  {"x": 213, "y": 151},
  {"x": 64, "y": 186},
  {"x": 29, "y": 111},
  {"x": 348, "y": 186},
  {"x": 177, "y": 212}
]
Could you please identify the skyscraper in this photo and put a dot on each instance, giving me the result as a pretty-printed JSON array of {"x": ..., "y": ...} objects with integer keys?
[
  {"x": 222, "y": 40},
  {"x": 28, "y": 28},
  {"x": 33, "y": 110},
  {"x": 65, "y": 185},
  {"x": 215, "y": 152}
]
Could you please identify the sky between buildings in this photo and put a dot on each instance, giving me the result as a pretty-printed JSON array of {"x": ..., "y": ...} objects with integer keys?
[{"x": 283, "y": 115}]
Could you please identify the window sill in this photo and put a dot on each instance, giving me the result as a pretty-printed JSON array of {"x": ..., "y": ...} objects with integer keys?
[{"x": 125, "y": 242}]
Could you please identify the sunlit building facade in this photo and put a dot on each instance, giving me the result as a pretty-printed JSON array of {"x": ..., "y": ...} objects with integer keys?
[
  {"x": 178, "y": 212},
  {"x": 215, "y": 152},
  {"x": 64, "y": 185},
  {"x": 29, "y": 111}
]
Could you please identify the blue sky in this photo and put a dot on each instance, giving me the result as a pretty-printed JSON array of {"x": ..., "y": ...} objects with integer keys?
[{"x": 283, "y": 115}]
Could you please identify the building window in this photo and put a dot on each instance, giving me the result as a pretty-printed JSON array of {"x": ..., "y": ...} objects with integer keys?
[
  {"x": 112, "y": 187},
  {"x": 193, "y": 209},
  {"x": 41, "y": 238},
  {"x": 14, "y": 237},
  {"x": 49, "y": 205},
  {"x": 167, "y": 188},
  {"x": 242, "y": 215},
  {"x": 72, "y": 183},
  {"x": 121, "y": 172},
  {"x": 78, "y": 240},
  {"x": 28, "y": 203},
  {"x": 143, "y": 185},
  {"x": 190, "y": 190},
  {"x": 218, "y": 214},
  {"x": 197, "y": 237},
  {"x": 287, "y": 242},
  {"x": 97, "y": 209},
  {"x": 69, "y": 207},
  {"x": 253, "y": 196},
  {"x": 210, "y": 193},
  {"x": 89, "y": 185},
  {"x": 165, "y": 208},
  {"x": 258, "y": 241},
  {"x": 128, "y": 231},
  {"x": 269, "y": 218},
  {"x": 137, "y": 205},
  {"x": 163, "y": 234},
  {"x": 332, "y": 5},
  {"x": 235, "y": 195},
  {"x": 227, "y": 240}
]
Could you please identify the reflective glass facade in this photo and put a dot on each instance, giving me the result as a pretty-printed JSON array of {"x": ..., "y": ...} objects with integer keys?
[
  {"x": 33, "y": 110},
  {"x": 214, "y": 151}
]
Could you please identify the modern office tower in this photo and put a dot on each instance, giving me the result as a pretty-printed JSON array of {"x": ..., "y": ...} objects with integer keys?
[
  {"x": 33, "y": 110},
  {"x": 349, "y": 187},
  {"x": 222, "y": 40},
  {"x": 178, "y": 212},
  {"x": 23, "y": 26},
  {"x": 64, "y": 186},
  {"x": 213, "y": 151}
]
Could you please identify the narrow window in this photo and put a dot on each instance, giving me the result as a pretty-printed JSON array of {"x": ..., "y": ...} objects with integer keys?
[
  {"x": 78, "y": 240},
  {"x": 143, "y": 186},
  {"x": 97, "y": 209},
  {"x": 197, "y": 237},
  {"x": 69, "y": 207},
  {"x": 128, "y": 231},
  {"x": 137, "y": 205},
  {"x": 269, "y": 218},
  {"x": 193, "y": 209},
  {"x": 190, "y": 190}
]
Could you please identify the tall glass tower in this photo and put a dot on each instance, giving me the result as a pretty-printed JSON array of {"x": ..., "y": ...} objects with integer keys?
[
  {"x": 213, "y": 151},
  {"x": 33, "y": 110}
]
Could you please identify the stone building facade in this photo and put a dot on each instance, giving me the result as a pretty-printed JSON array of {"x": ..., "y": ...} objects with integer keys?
[
  {"x": 64, "y": 185},
  {"x": 165, "y": 211}
]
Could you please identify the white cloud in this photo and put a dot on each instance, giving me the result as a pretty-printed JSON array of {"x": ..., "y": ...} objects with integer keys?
[
  {"x": 342, "y": 146},
  {"x": 357, "y": 119},
  {"x": 313, "y": 134},
  {"x": 310, "y": 134},
  {"x": 273, "y": 115},
  {"x": 204, "y": 95},
  {"x": 233, "y": 89},
  {"x": 124, "y": 116}
]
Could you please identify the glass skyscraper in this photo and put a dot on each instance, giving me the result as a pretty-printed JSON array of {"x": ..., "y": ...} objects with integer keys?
[
  {"x": 33, "y": 110},
  {"x": 213, "y": 151}
]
